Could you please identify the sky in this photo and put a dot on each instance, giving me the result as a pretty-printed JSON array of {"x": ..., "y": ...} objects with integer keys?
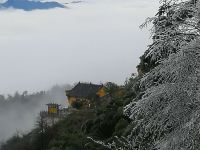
[{"x": 92, "y": 41}]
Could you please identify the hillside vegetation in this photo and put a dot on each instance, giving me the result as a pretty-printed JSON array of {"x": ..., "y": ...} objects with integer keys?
[
  {"x": 157, "y": 110},
  {"x": 71, "y": 133},
  {"x": 19, "y": 111}
]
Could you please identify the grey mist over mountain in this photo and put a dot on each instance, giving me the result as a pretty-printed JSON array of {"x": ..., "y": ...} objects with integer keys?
[
  {"x": 19, "y": 112},
  {"x": 91, "y": 41},
  {"x": 30, "y": 5}
]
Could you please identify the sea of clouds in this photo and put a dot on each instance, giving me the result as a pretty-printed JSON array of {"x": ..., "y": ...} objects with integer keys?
[{"x": 95, "y": 40}]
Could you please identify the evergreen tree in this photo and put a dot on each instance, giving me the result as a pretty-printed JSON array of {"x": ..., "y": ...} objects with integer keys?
[
  {"x": 166, "y": 116},
  {"x": 174, "y": 26},
  {"x": 165, "y": 113}
]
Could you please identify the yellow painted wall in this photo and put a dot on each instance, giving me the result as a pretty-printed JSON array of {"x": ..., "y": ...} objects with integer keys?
[
  {"x": 52, "y": 110},
  {"x": 101, "y": 92},
  {"x": 71, "y": 100}
]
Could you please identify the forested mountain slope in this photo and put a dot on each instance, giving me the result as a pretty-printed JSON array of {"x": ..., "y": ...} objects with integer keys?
[{"x": 159, "y": 109}]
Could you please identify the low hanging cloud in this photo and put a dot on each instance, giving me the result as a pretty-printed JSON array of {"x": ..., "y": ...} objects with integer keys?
[
  {"x": 93, "y": 40},
  {"x": 20, "y": 112},
  {"x": 96, "y": 40}
]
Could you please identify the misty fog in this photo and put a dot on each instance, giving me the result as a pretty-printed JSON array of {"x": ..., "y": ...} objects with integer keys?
[
  {"x": 92, "y": 41},
  {"x": 19, "y": 113}
]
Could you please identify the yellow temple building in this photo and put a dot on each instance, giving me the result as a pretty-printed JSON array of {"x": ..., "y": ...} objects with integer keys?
[{"x": 86, "y": 93}]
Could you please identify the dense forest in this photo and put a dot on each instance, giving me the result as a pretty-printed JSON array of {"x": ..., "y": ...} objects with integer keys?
[{"x": 159, "y": 108}]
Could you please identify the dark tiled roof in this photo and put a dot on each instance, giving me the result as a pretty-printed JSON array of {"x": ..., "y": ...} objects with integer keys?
[
  {"x": 53, "y": 104},
  {"x": 84, "y": 90}
]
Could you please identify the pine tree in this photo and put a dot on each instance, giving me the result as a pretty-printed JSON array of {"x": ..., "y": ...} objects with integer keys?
[
  {"x": 166, "y": 116},
  {"x": 174, "y": 26},
  {"x": 166, "y": 113}
]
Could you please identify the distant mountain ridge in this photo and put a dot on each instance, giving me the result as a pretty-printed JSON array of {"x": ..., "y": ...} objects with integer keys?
[{"x": 30, "y": 5}]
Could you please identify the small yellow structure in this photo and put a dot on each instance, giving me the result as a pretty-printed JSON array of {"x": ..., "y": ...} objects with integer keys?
[
  {"x": 53, "y": 108},
  {"x": 53, "y": 114}
]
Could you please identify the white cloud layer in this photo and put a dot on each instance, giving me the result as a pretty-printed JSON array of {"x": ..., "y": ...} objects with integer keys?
[{"x": 96, "y": 40}]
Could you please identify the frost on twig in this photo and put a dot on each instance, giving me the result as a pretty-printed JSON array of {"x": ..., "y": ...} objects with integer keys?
[
  {"x": 175, "y": 25},
  {"x": 121, "y": 143},
  {"x": 169, "y": 111}
]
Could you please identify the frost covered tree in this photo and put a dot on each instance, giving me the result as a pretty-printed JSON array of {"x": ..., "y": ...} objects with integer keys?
[
  {"x": 166, "y": 114},
  {"x": 174, "y": 26},
  {"x": 167, "y": 117}
]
